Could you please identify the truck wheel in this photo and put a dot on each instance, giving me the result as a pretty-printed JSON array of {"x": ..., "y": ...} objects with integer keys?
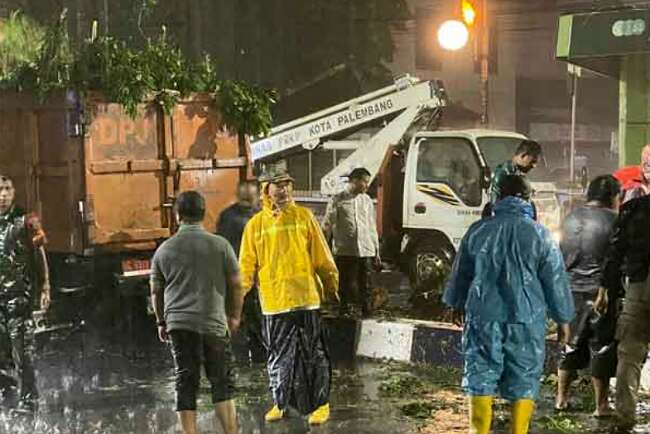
[{"x": 429, "y": 268}]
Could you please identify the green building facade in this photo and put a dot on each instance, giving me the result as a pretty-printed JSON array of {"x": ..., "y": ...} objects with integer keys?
[{"x": 616, "y": 44}]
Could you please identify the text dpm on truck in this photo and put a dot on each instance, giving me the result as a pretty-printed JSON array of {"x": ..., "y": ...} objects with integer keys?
[{"x": 104, "y": 184}]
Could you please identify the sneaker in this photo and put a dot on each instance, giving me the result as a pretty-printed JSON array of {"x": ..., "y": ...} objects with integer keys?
[
  {"x": 320, "y": 416},
  {"x": 274, "y": 414}
]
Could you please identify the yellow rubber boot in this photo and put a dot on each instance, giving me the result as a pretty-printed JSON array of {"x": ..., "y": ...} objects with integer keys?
[
  {"x": 274, "y": 414},
  {"x": 522, "y": 413},
  {"x": 320, "y": 416},
  {"x": 480, "y": 414}
]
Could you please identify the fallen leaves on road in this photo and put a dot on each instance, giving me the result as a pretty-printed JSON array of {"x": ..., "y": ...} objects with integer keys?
[
  {"x": 428, "y": 394},
  {"x": 451, "y": 416}
]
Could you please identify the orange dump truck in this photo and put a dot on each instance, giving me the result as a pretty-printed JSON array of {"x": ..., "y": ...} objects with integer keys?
[{"x": 105, "y": 183}]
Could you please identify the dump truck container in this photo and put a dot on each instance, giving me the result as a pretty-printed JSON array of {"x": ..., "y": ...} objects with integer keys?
[{"x": 104, "y": 183}]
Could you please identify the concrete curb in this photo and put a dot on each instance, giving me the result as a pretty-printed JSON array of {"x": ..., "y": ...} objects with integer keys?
[
  {"x": 401, "y": 340},
  {"x": 404, "y": 340}
]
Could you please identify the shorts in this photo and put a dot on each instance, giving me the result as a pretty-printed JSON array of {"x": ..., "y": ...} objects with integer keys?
[
  {"x": 192, "y": 350},
  {"x": 592, "y": 341}
]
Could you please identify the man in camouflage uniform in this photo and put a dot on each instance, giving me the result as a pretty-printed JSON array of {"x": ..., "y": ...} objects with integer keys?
[
  {"x": 523, "y": 161},
  {"x": 23, "y": 268}
]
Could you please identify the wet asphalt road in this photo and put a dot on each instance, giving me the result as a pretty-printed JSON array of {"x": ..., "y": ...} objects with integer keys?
[
  {"x": 92, "y": 384},
  {"x": 118, "y": 379}
]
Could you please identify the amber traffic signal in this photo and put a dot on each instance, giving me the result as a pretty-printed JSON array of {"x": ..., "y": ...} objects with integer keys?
[{"x": 468, "y": 9}]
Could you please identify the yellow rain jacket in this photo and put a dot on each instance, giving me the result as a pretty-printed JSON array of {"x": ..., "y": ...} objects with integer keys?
[{"x": 289, "y": 253}]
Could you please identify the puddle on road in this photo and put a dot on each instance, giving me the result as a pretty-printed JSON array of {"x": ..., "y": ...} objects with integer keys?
[
  {"x": 90, "y": 386},
  {"x": 93, "y": 384}
]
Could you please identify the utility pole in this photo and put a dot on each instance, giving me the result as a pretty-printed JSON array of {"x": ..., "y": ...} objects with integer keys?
[
  {"x": 485, "y": 62},
  {"x": 575, "y": 72},
  {"x": 106, "y": 19}
]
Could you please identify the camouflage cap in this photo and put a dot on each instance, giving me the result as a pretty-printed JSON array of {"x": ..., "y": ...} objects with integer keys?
[{"x": 275, "y": 172}]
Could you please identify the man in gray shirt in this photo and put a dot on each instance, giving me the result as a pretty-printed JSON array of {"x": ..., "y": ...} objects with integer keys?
[{"x": 197, "y": 299}]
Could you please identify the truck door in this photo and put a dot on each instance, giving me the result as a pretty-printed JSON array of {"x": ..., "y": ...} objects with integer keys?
[
  {"x": 125, "y": 180},
  {"x": 204, "y": 156},
  {"x": 443, "y": 186}
]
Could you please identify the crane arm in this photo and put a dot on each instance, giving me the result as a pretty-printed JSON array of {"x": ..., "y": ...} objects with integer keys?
[{"x": 308, "y": 132}]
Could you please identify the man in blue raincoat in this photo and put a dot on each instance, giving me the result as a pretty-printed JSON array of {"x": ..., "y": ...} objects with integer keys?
[{"x": 507, "y": 275}]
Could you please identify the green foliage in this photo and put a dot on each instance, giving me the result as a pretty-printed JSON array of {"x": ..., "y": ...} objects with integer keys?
[
  {"x": 168, "y": 74},
  {"x": 205, "y": 76},
  {"x": 21, "y": 42},
  {"x": 246, "y": 108},
  {"x": 127, "y": 76},
  {"x": 400, "y": 381},
  {"x": 107, "y": 65},
  {"x": 557, "y": 424},
  {"x": 401, "y": 385},
  {"x": 55, "y": 58},
  {"x": 44, "y": 65},
  {"x": 420, "y": 409}
]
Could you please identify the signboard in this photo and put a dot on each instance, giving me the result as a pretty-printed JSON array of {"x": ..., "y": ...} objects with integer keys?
[
  {"x": 309, "y": 134},
  {"x": 601, "y": 34}
]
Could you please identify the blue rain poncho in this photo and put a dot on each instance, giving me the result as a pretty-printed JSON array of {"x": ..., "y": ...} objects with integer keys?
[{"x": 508, "y": 275}]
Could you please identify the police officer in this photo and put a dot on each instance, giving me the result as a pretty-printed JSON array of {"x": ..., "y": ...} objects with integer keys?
[{"x": 23, "y": 268}]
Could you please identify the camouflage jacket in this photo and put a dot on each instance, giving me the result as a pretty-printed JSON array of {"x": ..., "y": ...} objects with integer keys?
[{"x": 15, "y": 254}]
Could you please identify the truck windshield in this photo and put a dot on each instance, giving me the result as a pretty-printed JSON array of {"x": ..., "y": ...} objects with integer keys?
[
  {"x": 496, "y": 150},
  {"x": 451, "y": 161}
]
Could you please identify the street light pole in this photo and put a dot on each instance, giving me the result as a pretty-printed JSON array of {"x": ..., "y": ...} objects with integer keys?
[
  {"x": 575, "y": 72},
  {"x": 485, "y": 63}
]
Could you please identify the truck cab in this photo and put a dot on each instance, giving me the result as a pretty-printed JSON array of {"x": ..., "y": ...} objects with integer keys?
[{"x": 446, "y": 187}]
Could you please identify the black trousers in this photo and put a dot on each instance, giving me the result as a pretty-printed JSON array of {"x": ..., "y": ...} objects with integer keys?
[
  {"x": 592, "y": 339},
  {"x": 16, "y": 346},
  {"x": 192, "y": 350},
  {"x": 299, "y": 368},
  {"x": 355, "y": 281},
  {"x": 253, "y": 319}
]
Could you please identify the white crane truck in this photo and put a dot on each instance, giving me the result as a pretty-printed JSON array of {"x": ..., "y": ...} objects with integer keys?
[{"x": 431, "y": 184}]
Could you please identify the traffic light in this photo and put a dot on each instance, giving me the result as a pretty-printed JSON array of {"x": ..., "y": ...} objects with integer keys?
[{"x": 468, "y": 12}]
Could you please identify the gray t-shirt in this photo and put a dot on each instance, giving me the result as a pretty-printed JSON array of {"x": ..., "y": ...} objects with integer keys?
[{"x": 193, "y": 267}]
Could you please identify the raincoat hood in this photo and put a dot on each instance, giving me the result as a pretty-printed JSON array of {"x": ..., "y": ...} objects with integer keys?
[{"x": 514, "y": 205}]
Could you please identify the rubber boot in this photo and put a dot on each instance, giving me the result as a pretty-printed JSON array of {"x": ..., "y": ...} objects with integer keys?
[
  {"x": 274, "y": 414},
  {"x": 320, "y": 416},
  {"x": 522, "y": 413},
  {"x": 480, "y": 414}
]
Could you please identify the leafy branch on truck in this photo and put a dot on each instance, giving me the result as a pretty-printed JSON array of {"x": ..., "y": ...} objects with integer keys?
[{"x": 44, "y": 61}]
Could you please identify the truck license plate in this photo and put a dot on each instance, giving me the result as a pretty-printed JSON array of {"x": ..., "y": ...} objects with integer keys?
[{"x": 136, "y": 267}]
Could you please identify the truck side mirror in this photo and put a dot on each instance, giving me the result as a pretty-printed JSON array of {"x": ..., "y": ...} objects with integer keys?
[{"x": 486, "y": 178}]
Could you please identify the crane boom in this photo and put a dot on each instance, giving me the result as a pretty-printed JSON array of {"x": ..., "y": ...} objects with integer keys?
[{"x": 310, "y": 131}]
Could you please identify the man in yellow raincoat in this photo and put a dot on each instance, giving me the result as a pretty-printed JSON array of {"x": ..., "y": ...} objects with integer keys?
[{"x": 283, "y": 244}]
